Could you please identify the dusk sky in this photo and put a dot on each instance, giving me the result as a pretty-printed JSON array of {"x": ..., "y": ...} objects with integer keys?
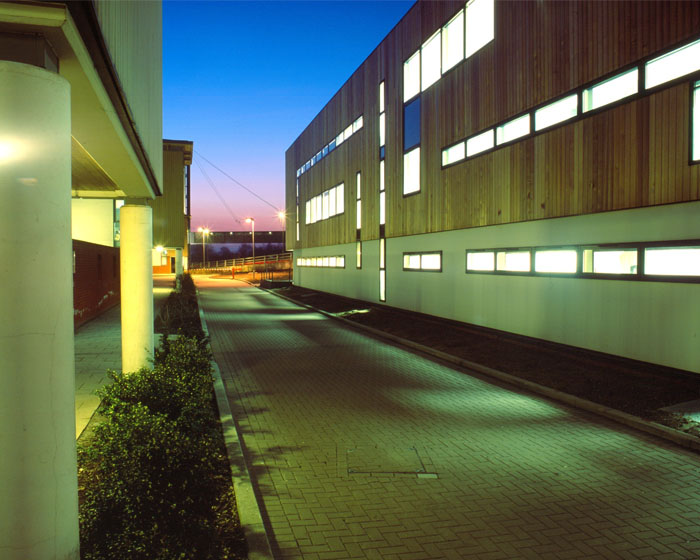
[{"x": 243, "y": 79}]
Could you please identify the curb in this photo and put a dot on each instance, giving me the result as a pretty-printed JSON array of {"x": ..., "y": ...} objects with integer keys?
[
  {"x": 679, "y": 438},
  {"x": 249, "y": 514}
]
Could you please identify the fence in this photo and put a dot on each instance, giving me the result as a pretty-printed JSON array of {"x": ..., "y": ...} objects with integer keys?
[{"x": 269, "y": 267}]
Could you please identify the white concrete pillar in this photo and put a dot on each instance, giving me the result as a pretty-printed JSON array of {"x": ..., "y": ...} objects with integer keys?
[
  {"x": 38, "y": 471},
  {"x": 178, "y": 262},
  {"x": 136, "y": 228}
]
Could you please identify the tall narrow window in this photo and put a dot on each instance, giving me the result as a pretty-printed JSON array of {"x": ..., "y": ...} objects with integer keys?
[
  {"x": 673, "y": 65},
  {"x": 479, "y": 25},
  {"x": 358, "y": 199},
  {"x": 411, "y": 124},
  {"x": 382, "y": 130},
  {"x": 358, "y": 256},
  {"x": 411, "y": 171},
  {"x": 430, "y": 61},
  {"x": 382, "y": 269},
  {"x": 453, "y": 42},
  {"x": 696, "y": 122},
  {"x": 411, "y": 76}
]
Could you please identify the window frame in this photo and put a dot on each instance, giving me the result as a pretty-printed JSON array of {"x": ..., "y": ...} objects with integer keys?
[{"x": 421, "y": 254}]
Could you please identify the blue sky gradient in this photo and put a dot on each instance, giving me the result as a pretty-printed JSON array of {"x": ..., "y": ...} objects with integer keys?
[{"x": 242, "y": 79}]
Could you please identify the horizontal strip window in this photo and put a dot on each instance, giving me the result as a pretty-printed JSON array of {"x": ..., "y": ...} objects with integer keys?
[
  {"x": 663, "y": 69},
  {"x": 326, "y": 205},
  {"x": 431, "y": 261},
  {"x": 677, "y": 261},
  {"x": 351, "y": 129},
  {"x": 337, "y": 261}
]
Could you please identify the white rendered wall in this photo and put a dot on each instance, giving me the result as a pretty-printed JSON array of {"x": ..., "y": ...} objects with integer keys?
[
  {"x": 657, "y": 322},
  {"x": 93, "y": 220},
  {"x": 38, "y": 471}
]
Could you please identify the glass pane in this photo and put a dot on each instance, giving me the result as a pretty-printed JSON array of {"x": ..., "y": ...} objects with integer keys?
[
  {"x": 431, "y": 261},
  {"x": 430, "y": 68},
  {"x": 382, "y": 253},
  {"x": 348, "y": 132},
  {"x": 308, "y": 212},
  {"x": 513, "y": 261},
  {"x": 325, "y": 262},
  {"x": 357, "y": 125},
  {"x": 341, "y": 262},
  {"x": 382, "y": 129},
  {"x": 411, "y": 76},
  {"x": 411, "y": 171},
  {"x": 297, "y": 231},
  {"x": 556, "y": 112},
  {"x": 411, "y": 124},
  {"x": 340, "y": 198},
  {"x": 453, "y": 154},
  {"x": 681, "y": 261},
  {"x": 381, "y": 97},
  {"x": 559, "y": 261},
  {"x": 696, "y": 123},
  {"x": 332, "y": 262},
  {"x": 514, "y": 129},
  {"x": 358, "y": 254},
  {"x": 381, "y": 176},
  {"x": 326, "y": 199},
  {"x": 358, "y": 213},
  {"x": 611, "y": 90},
  {"x": 382, "y": 208},
  {"x": 358, "y": 184},
  {"x": 382, "y": 285},
  {"x": 479, "y": 25},
  {"x": 673, "y": 65},
  {"x": 480, "y": 261},
  {"x": 480, "y": 143},
  {"x": 453, "y": 42},
  {"x": 411, "y": 262},
  {"x": 339, "y": 139},
  {"x": 319, "y": 208},
  {"x": 615, "y": 262}
]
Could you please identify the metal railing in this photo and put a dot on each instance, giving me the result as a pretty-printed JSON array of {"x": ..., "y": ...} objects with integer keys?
[{"x": 259, "y": 263}]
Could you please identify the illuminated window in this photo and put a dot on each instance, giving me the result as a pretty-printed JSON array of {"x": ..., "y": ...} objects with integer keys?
[
  {"x": 381, "y": 176},
  {"x": 453, "y": 154},
  {"x": 423, "y": 261},
  {"x": 479, "y": 25},
  {"x": 556, "y": 261},
  {"x": 672, "y": 261},
  {"x": 340, "y": 198},
  {"x": 611, "y": 90},
  {"x": 453, "y": 42},
  {"x": 358, "y": 255},
  {"x": 411, "y": 171},
  {"x": 430, "y": 61},
  {"x": 358, "y": 208},
  {"x": 673, "y": 65},
  {"x": 337, "y": 261},
  {"x": 556, "y": 112},
  {"x": 484, "y": 261},
  {"x": 382, "y": 285},
  {"x": 480, "y": 143},
  {"x": 326, "y": 197},
  {"x": 610, "y": 261},
  {"x": 513, "y": 261},
  {"x": 359, "y": 214},
  {"x": 382, "y": 129},
  {"x": 411, "y": 76},
  {"x": 696, "y": 122},
  {"x": 357, "y": 125},
  {"x": 516, "y": 128},
  {"x": 411, "y": 124},
  {"x": 382, "y": 208},
  {"x": 297, "y": 231},
  {"x": 331, "y": 202},
  {"x": 381, "y": 97},
  {"x": 382, "y": 253},
  {"x": 339, "y": 139}
]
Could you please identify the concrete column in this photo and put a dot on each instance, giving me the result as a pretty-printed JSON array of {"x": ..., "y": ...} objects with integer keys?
[
  {"x": 38, "y": 471},
  {"x": 178, "y": 262},
  {"x": 136, "y": 228}
]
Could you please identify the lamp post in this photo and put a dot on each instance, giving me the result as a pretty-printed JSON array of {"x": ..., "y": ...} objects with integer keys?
[
  {"x": 204, "y": 232},
  {"x": 251, "y": 221},
  {"x": 283, "y": 220}
]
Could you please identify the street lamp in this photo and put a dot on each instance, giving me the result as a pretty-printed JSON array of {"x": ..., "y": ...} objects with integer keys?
[
  {"x": 251, "y": 221},
  {"x": 204, "y": 232},
  {"x": 283, "y": 220}
]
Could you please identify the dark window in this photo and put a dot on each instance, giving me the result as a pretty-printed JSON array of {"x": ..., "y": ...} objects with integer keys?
[{"x": 411, "y": 124}]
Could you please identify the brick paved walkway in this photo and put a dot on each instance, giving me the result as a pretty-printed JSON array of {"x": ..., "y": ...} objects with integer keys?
[{"x": 360, "y": 449}]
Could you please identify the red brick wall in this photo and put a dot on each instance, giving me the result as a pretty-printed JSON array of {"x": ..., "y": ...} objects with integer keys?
[{"x": 95, "y": 280}]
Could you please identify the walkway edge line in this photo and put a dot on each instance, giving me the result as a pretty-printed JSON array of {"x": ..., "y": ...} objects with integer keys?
[
  {"x": 249, "y": 514},
  {"x": 679, "y": 438}
]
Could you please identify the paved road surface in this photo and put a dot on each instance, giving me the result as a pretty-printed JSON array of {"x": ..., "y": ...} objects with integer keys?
[{"x": 360, "y": 449}]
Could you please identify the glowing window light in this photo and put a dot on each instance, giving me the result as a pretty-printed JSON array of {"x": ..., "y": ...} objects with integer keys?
[
  {"x": 411, "y": 262},
  {"x": 319, "y": 207},
  {"x": 297, "y": 231},
  {"x": 382, "y": 130},
  {"x": 431, "y": 261},
  {"x": 480, "y": 143},
  {"x": 513, "y": 261},
  {"x": 430, "y": 68},
  {"x": 348, "y": 131},
  {"x": 358, "y": 212},
  {"x": 556, "y": 261},
  {"x": 358, "y": 255},
  {"x": 453, "y": 42},
  {"x": 622, "y": 261},
  {"x": 331, "y": 202},
  {"x": 479, "y": 25},
  {"x": 325, "y": 262},
  {"x": 453, "y": 154},
  {"x": 611, "y": 90},
  {"x": 382, "y": 253},
  {"x": 512, "y": 130},
  {"x": 308, "y": 212},
  {"x": 357, "y": 125},
  {"x": 411, "y": 76},
  {"x": 339, "y": 139},
  {"x": 341, "y": 262},
  {"x": 326, "y": 198},
  {"x": 411, "y": 171},
  {"x": 381, "y": 97},
  {"x": 556, "y": 112},
  {"x": 382, "y": 285},
  {"x": 332, "y": 262},
  {"x": 672, "y": 65},
  {"x": 382, "y": 208},
  {"x": 696, "y": 123},
  {"x": 676, "y": 261},
  {"x": 481, "y": 261},
  {"x": 340, "y": 198}
]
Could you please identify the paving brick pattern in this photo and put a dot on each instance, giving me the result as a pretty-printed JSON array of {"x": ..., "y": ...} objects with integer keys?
[{"x": 360, "y": 449}]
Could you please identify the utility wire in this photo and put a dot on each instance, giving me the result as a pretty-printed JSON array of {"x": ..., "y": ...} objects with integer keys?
[
  {"x": 256, "y": 195},
  {"x": 218, "y": 194}
]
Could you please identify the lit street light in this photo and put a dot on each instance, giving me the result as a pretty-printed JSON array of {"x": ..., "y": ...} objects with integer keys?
[
  {"x": 283, "y": 220},
  {"x": 251, "y": 221},
  {"x": 204, "y": 232}
]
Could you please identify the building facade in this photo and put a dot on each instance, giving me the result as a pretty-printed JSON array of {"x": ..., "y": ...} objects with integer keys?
[{"x": 532, "y": 167}]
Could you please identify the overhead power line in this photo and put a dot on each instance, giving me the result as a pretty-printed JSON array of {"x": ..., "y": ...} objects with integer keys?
[
  {"x": 256, "y": 195},
  {"x": 218, "y": 194}
]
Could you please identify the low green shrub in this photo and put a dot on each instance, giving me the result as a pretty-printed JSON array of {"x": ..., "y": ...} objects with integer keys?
[
  {"x": 154, "y": 478},
  {"x": 180, "y": 312}
]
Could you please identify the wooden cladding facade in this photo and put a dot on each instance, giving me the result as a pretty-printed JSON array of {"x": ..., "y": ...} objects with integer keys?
[{"x": 632, "y": 154}]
